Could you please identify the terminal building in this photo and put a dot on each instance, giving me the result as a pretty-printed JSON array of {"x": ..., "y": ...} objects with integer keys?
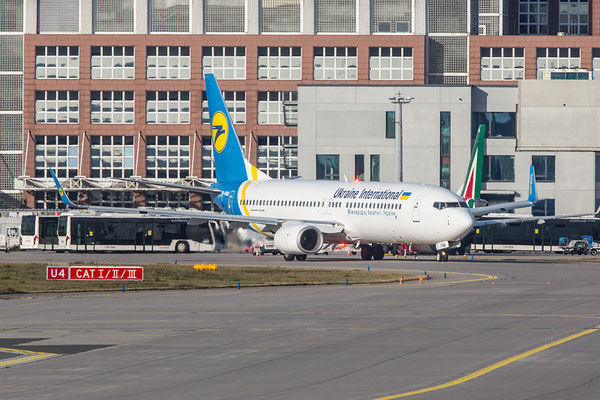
[{"x": 107, "y": 89}]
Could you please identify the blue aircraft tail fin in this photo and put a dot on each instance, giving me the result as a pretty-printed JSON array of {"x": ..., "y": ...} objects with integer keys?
[
  {"x": 61, "y": 191},
  {"x": 532, "y": 191},
  {"x": 230, "y": 163}
]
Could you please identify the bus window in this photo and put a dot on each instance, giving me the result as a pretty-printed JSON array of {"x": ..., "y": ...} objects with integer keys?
[
  {"x": 62, "y": 225},
  {"x": 28, "y": 225}
]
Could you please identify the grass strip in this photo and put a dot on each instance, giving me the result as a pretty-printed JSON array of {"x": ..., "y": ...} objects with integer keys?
[{"x": 31, "y": 278}]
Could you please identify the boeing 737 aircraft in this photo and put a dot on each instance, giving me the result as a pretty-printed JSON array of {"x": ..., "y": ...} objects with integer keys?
[{"x": 302, "y": 215}]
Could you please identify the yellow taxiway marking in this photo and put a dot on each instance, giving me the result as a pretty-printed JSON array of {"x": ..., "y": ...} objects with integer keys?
[
  {"x": 479, "y": 277},
  {"x": 29, "y": 356},
  {"x": 492, "y": 367}
]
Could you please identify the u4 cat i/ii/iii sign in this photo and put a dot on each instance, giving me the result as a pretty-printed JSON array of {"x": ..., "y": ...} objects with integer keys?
[{"x": 95, "y": 273}]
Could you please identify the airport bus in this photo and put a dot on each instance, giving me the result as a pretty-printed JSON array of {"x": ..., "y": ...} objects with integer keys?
[
  {"x": 119, "y": 232},
  {"x": 531, "y": 236},
  {"x": 39, "y": 232}
]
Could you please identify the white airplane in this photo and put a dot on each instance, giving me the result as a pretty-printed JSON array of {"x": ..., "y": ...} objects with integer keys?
[{"x": 302, "y": 215}]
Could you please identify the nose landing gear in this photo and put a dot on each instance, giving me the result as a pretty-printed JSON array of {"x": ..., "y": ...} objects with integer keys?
[{"x": 442, "y": 256}]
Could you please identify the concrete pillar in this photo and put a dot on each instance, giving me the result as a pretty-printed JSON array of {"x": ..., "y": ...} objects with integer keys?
[
  {"x": 420, "y": 17},
  {"x": 141, "y": 17},
  {"x": 30, "y": 22},
  {"x": 252, "y": 16},
  {"x": 197, "y": 22},
  {"x": 364, "y": 17},
  {"x": 86, "y": 14},
  {"x": 308, "y": 17}
]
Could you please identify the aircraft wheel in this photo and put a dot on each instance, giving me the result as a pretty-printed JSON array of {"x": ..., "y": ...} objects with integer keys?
[
  {"x": 289, "y": 257},
  {"x": 438, "y": 256},
  {"x": 593, "y": 252},
  {"x": 378, "y": 252},
  {"x": 301, "y": 257},
  {"x": 366, "y": 252},
  {"x": 444, "y": 256}
]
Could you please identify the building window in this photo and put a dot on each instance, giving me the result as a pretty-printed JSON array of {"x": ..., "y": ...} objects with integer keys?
[
  {"x": 224, "y": 62},
  {"x": 112, "y": 199},
  {"x": 235, "y": 103},
  {"x": 375, "y": 167},
  {"x": 445, "y": 149},
  {"x": 171, "y": 62},
  {"x": 113, "y": 62},
  {"x": 167, "y": 157},
  {"x": 497, "y": 124},
  {"x": 170, "y": 16},
  {"x": 336, "y": 16},
  {"x": 498, "y": 169},
  {"x": 56, "y": 16},
  {"x": 111, "y": 156},
  {"x": 553, "y": 58},
  {"x": 573, "y": 17},
  {"x": 390, "y": 63},
  {"x": 113, "y": 16},
  {"x": 279, "y": 63},
  {"x": 207, "y": 163},
  {"x": 270, "y": 106},
  {"x": 339, "y": 63},
  {"x": 278, "y": 16},
  {"x": 225, "y": 16},
  {"x": 328, "y": 167},
  {"x": 278, "y": 156},
  {"x": 543, "y": 208},
  {"x": 168, "y": 107},
  {"x": 56, "y": 107},
  {"x": 544, "y": 168},
  {"x": 499, "y": 63},
  {"x": 112, "y": 107},
  {"x": 391, "y": 16},
  {"x": 359, "y": 167},
  {"x": 57, "y": 152},
  {"x": 390, "y": 124},
  {"x": 167, "y": 199},
  {"x": 11, "y": 17},
  {"x": 56, "y": 62},
  {"x": 596, "y": 62},
  {"x": 533, "y": 17}
]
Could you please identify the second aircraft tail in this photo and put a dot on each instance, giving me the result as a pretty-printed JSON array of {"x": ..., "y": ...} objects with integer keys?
[{"x": 471, "y": 189}]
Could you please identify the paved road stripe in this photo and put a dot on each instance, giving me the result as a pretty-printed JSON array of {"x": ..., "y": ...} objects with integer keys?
[
  {"x": 492, "y": 367},
  {"x": 30, "y": 356}
]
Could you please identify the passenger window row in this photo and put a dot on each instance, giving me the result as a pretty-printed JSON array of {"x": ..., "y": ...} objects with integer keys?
[{"x": 332, "y": 204}]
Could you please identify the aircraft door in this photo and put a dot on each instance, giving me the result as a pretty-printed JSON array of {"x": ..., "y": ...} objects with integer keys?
[{"x": 416, "y": 209}]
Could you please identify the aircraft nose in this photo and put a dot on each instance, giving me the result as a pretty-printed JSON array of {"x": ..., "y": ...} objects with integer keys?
[{"x": 464, "y": 223}]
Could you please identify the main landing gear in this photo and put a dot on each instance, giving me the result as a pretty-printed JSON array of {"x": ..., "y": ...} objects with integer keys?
[
  {"x": 291, "y": 257},
  {"x": 441, "y": 256},
  {"x": 371, "y": 251}
]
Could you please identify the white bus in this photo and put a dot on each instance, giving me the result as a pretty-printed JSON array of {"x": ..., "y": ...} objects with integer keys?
[
  {"x": 119, "y": 232},
  {"x": 39, "y": 232}
]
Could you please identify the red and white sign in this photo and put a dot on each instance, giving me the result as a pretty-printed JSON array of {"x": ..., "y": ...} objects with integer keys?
[
  {"x": 95, "y": 273},
  {"x": 58, "y": 273}
]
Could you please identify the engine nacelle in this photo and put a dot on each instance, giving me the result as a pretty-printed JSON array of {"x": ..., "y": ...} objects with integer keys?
[{"x": 298, "y": 239}]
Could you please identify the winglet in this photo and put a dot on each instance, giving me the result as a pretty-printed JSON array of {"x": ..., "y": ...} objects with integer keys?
[
  {"x": 532, "y": 192},
  {"x": 61, "y": 192}
]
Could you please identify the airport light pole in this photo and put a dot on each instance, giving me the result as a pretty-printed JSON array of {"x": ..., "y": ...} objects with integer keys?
[{"x": 399, "y": 100}]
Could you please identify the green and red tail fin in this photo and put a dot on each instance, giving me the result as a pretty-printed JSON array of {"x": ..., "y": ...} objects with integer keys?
[{"x": 471, "y": 189}]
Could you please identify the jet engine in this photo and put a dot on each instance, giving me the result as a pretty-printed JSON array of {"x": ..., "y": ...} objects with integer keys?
[{"x": 298, "y": 239}]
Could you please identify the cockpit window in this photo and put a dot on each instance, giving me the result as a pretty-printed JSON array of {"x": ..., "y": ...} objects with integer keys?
[{"x": 440, "y": 205}]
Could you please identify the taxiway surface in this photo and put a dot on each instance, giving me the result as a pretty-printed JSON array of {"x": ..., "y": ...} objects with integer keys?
[{"x": 454, "y": 340}]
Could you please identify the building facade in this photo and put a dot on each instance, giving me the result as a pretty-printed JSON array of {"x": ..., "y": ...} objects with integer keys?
[{"x": 107, "y": 89}]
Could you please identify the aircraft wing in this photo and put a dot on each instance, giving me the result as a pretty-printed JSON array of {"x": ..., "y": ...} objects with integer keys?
[
  {"x": 505, "y": 221},
  {"x": 198, "y": 189},
  {"x": 197, "y": 215},
  {"x": 503, "y": 207}
]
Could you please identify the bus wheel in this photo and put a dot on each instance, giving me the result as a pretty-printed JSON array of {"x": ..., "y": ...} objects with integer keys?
[
  {"x": 182, "y": 247},
  {"x": 301, "y": 257},
  {"x": 289, "y": 257}
]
